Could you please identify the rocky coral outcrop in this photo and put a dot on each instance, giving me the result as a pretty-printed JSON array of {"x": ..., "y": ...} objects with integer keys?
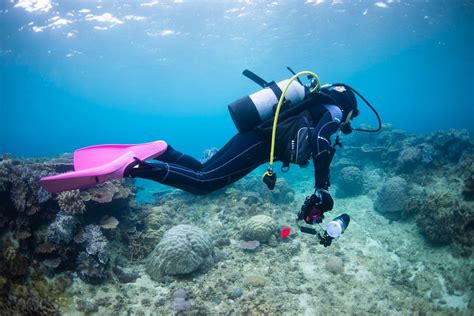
[
  {"x": 259, "y": 227},
  {"x": 468, "y": 188},
  {"x": 443, "y": 219},
  {"x": 350, "y": 182},
  {"x": 392, "y": 198},
  {"x": 90, "y": 269},
  {"x": 182, "y": 250}
]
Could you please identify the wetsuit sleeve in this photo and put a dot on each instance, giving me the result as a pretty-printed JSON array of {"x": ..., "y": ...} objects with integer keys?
[{"x": 321, "y": 142}]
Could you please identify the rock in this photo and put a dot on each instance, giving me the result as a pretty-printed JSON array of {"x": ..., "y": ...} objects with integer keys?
[
  {"x": 335, "y": 265},
  {"x": 182, "y": 250},
  {"x": 179, "y": 303},
  {"x": 259, "y": 227},
  {"x": 180, "y": 294},
  {"x": 125, "y": 276},
  {"x": 250, "y": 245},
  {"x": 235, "y": 293}
]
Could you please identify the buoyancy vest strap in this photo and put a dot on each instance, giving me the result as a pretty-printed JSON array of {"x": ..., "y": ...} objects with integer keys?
[
  {"x": 255, "y": 78},
  {"x": 276, "y": 89}
]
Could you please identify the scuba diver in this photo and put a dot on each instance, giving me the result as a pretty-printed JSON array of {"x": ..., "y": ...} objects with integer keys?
[{"x": 292, "y": 121}]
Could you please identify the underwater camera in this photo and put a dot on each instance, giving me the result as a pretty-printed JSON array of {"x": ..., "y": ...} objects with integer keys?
[{"x": 334, "y": 228}]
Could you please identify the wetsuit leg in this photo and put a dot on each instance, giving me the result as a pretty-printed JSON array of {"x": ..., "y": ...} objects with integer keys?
[
  {"x": 242, "y": 154},
  {"x": 173, "y": 156}
]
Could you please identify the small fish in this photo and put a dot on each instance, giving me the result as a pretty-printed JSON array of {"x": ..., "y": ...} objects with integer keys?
[{"x": 285, "y": 232}]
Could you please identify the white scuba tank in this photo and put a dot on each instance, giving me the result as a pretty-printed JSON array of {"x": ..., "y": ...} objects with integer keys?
[{"x": 251, "y": 110}]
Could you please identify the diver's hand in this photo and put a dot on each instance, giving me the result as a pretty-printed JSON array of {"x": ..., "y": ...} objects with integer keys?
[
  {"x": 326, "y": 202},
  {"x": 314, "y": 206}
]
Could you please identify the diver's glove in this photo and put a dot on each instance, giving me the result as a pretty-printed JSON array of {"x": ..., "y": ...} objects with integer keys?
[
  {"x": 315, "y": 205},
  {"x": 327, "y": 202}
]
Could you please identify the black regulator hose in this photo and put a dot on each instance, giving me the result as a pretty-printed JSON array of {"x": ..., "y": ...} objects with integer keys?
[
  {"x": 369, "y": 105},
  {"x": 373, "y": 110}
]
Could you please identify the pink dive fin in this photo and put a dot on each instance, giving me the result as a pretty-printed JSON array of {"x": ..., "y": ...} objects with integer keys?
[
  {"x": 95, "y": 156},
  {"x": 97, "y": 164}
]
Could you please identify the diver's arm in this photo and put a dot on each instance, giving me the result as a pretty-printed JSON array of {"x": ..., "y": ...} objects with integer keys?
[
  {"x": 322, "y": 150},
  {"x": 321, "y": 201}
]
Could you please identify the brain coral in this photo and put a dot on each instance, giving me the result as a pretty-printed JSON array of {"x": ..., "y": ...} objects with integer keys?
[
  {"x": 392, "y": 197},
  {"x": 259, "y": 227},
  {"x": 182, "y": 250}
]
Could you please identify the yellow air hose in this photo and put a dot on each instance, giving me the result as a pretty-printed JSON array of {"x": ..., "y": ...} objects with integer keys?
[{"x": 269, "y": 172}]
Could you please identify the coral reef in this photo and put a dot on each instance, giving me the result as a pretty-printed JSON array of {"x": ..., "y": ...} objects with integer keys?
[
  {"x": 259, "y": 227},
  {"x": 62, "y": 229},
  {"x": 182, "y": 250},
  {"x": 96, "y": 243},
  {"x": 90, "y": 269},
  {"x": 468, "y": 188},
  {"x": 443, "y": 219},
  {"x": 70, "y": 202},
  {"x": 409, "y": 158},
  {"x": 350, "y": 182},
  {"x": 392, "y": 197},
  {"x": 43, "y": 237},
  {"x": 13, "y": 263},
  {"x": 23, "y": 301}
]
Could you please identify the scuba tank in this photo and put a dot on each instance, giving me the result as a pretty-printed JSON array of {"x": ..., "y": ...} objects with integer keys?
[{"x": 251, "y": 110}]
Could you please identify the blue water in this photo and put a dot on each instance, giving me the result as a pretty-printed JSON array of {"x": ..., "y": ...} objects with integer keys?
[{"x": 80, "y": 73}]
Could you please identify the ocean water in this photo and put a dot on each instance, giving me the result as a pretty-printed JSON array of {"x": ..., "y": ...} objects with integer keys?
[
  {"x": 76, "y": 73},
  {"x": 80, "y": 73}
]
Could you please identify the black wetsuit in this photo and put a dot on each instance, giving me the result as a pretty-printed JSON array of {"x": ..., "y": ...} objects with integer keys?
[{"x": 242, "y": 154}]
